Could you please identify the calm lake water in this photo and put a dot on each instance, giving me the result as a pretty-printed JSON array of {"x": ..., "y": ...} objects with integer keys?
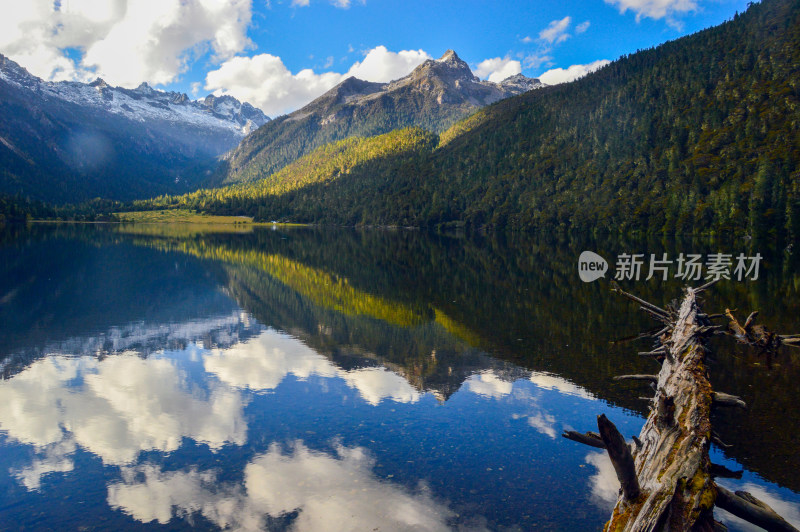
[{"x": 307, "y": 379}]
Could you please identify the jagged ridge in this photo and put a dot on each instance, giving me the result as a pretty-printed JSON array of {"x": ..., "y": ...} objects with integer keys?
[{"x": 434, "y": 96}]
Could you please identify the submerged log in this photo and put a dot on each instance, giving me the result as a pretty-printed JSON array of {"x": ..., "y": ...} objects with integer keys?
[{"x": 666, "y": 477}]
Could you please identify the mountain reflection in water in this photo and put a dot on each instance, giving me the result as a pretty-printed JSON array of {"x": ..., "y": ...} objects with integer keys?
[{"x": 344, "y": 380}]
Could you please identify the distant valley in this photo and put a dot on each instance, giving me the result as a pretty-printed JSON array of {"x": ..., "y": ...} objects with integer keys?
[{"x": 68, "y": 141}]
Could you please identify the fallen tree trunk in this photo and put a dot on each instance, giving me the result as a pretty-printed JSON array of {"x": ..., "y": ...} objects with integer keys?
[
  {"x": 672, "y": 463},
  {"x": 667, "y": 478}
]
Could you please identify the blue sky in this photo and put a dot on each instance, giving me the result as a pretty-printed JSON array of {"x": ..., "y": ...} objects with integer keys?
[{"x": 281, "y": 54}]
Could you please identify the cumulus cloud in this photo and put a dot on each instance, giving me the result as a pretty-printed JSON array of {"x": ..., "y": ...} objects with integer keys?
[
  {"x": 582, "y": 27},
  {"x": 655, "y": 9},
  {"x": 381, "y": 65},
  {"x": 556, "y": 31},
  {"x": 123, "y": 41},
  {"x": 498, "y": 69},
  {"x": 563, "y": 75},
  {"x": 332, "y": 492},
  {"x": 264, "y": 80}
]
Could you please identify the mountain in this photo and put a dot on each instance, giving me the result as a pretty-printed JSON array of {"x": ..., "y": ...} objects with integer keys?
[
  {"x": 70, "y": 141},
  {"x": 698, "y": 135},
  {"x": 434, "y": 96}
]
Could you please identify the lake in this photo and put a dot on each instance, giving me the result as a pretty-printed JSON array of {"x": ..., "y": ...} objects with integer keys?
[{"x": 190, "y": 377}]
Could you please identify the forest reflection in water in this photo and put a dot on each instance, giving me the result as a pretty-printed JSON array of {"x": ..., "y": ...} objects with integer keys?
[{"x": 183, "y": 376}]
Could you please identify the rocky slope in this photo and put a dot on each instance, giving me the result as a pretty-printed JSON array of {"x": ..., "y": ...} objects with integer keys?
[{"x": 434, "y": 96}]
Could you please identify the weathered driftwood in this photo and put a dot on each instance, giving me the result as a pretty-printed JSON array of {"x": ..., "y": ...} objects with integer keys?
[
  {"x": 758, "y": 335},
  {"x": 672, "y": 464},
  {"x": 666, "y": 476}
]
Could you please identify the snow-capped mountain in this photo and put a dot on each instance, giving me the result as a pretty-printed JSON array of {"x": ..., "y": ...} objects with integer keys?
[
  {"x": 438, "y": 93},
  {"x": 142, "y": 103},
  {"x": 66, "y": 141}
]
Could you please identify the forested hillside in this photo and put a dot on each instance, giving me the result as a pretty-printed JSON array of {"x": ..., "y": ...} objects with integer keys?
[{"x": 697, "y": 135}]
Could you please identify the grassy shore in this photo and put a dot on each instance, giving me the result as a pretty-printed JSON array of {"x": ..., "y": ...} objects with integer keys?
[{"x": 181, "y": 216}]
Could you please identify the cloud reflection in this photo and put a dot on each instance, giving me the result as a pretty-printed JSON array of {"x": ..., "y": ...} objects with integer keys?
[
  {"x": 262, "y": 363},
  {"x": 548, "y": 381},
  {"x": 604, "y": 483},
  {"x": 312, "y": 489},
  {"x": 488, "y": 384},
  {"x": 788, "y": 510},
  {"x": 115, "y": 408}
]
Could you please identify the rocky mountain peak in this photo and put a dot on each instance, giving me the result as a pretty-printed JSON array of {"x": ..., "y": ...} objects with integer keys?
[
  {"x": 99, "y": 83},
  {"x": 450, "y": 56},
  {"x": 449, "y": 68},
  {"x": 144, "y": 88},
  {"x": 519, "y": 83}
]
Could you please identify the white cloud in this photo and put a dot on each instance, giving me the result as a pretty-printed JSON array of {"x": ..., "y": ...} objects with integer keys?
[
  {"x": 561, "y": 75},
  {"x": 341, "y": 4},
  {"x": 655, "y": 9},
  {"x": 300, "y": 3},
  {"x": 123, "y": 41},
  {"x": 582, "y": 27},
  {"x": 264, "y": 80},
  {"x": 382, "y": 66},
  {"x": 498, "y": 69},
  {"x": 336, "y": 492},
  {"x": 556, "y": 31},
  {"x": 537, "y": 60},
  {"x": 527, "y": 39}
]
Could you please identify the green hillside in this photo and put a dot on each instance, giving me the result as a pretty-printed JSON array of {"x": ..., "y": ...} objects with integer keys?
[{"x": 697, "y": 135}]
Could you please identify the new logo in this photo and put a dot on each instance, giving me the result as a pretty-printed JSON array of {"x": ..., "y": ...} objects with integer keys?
[{"x": 591, "y": 266}]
